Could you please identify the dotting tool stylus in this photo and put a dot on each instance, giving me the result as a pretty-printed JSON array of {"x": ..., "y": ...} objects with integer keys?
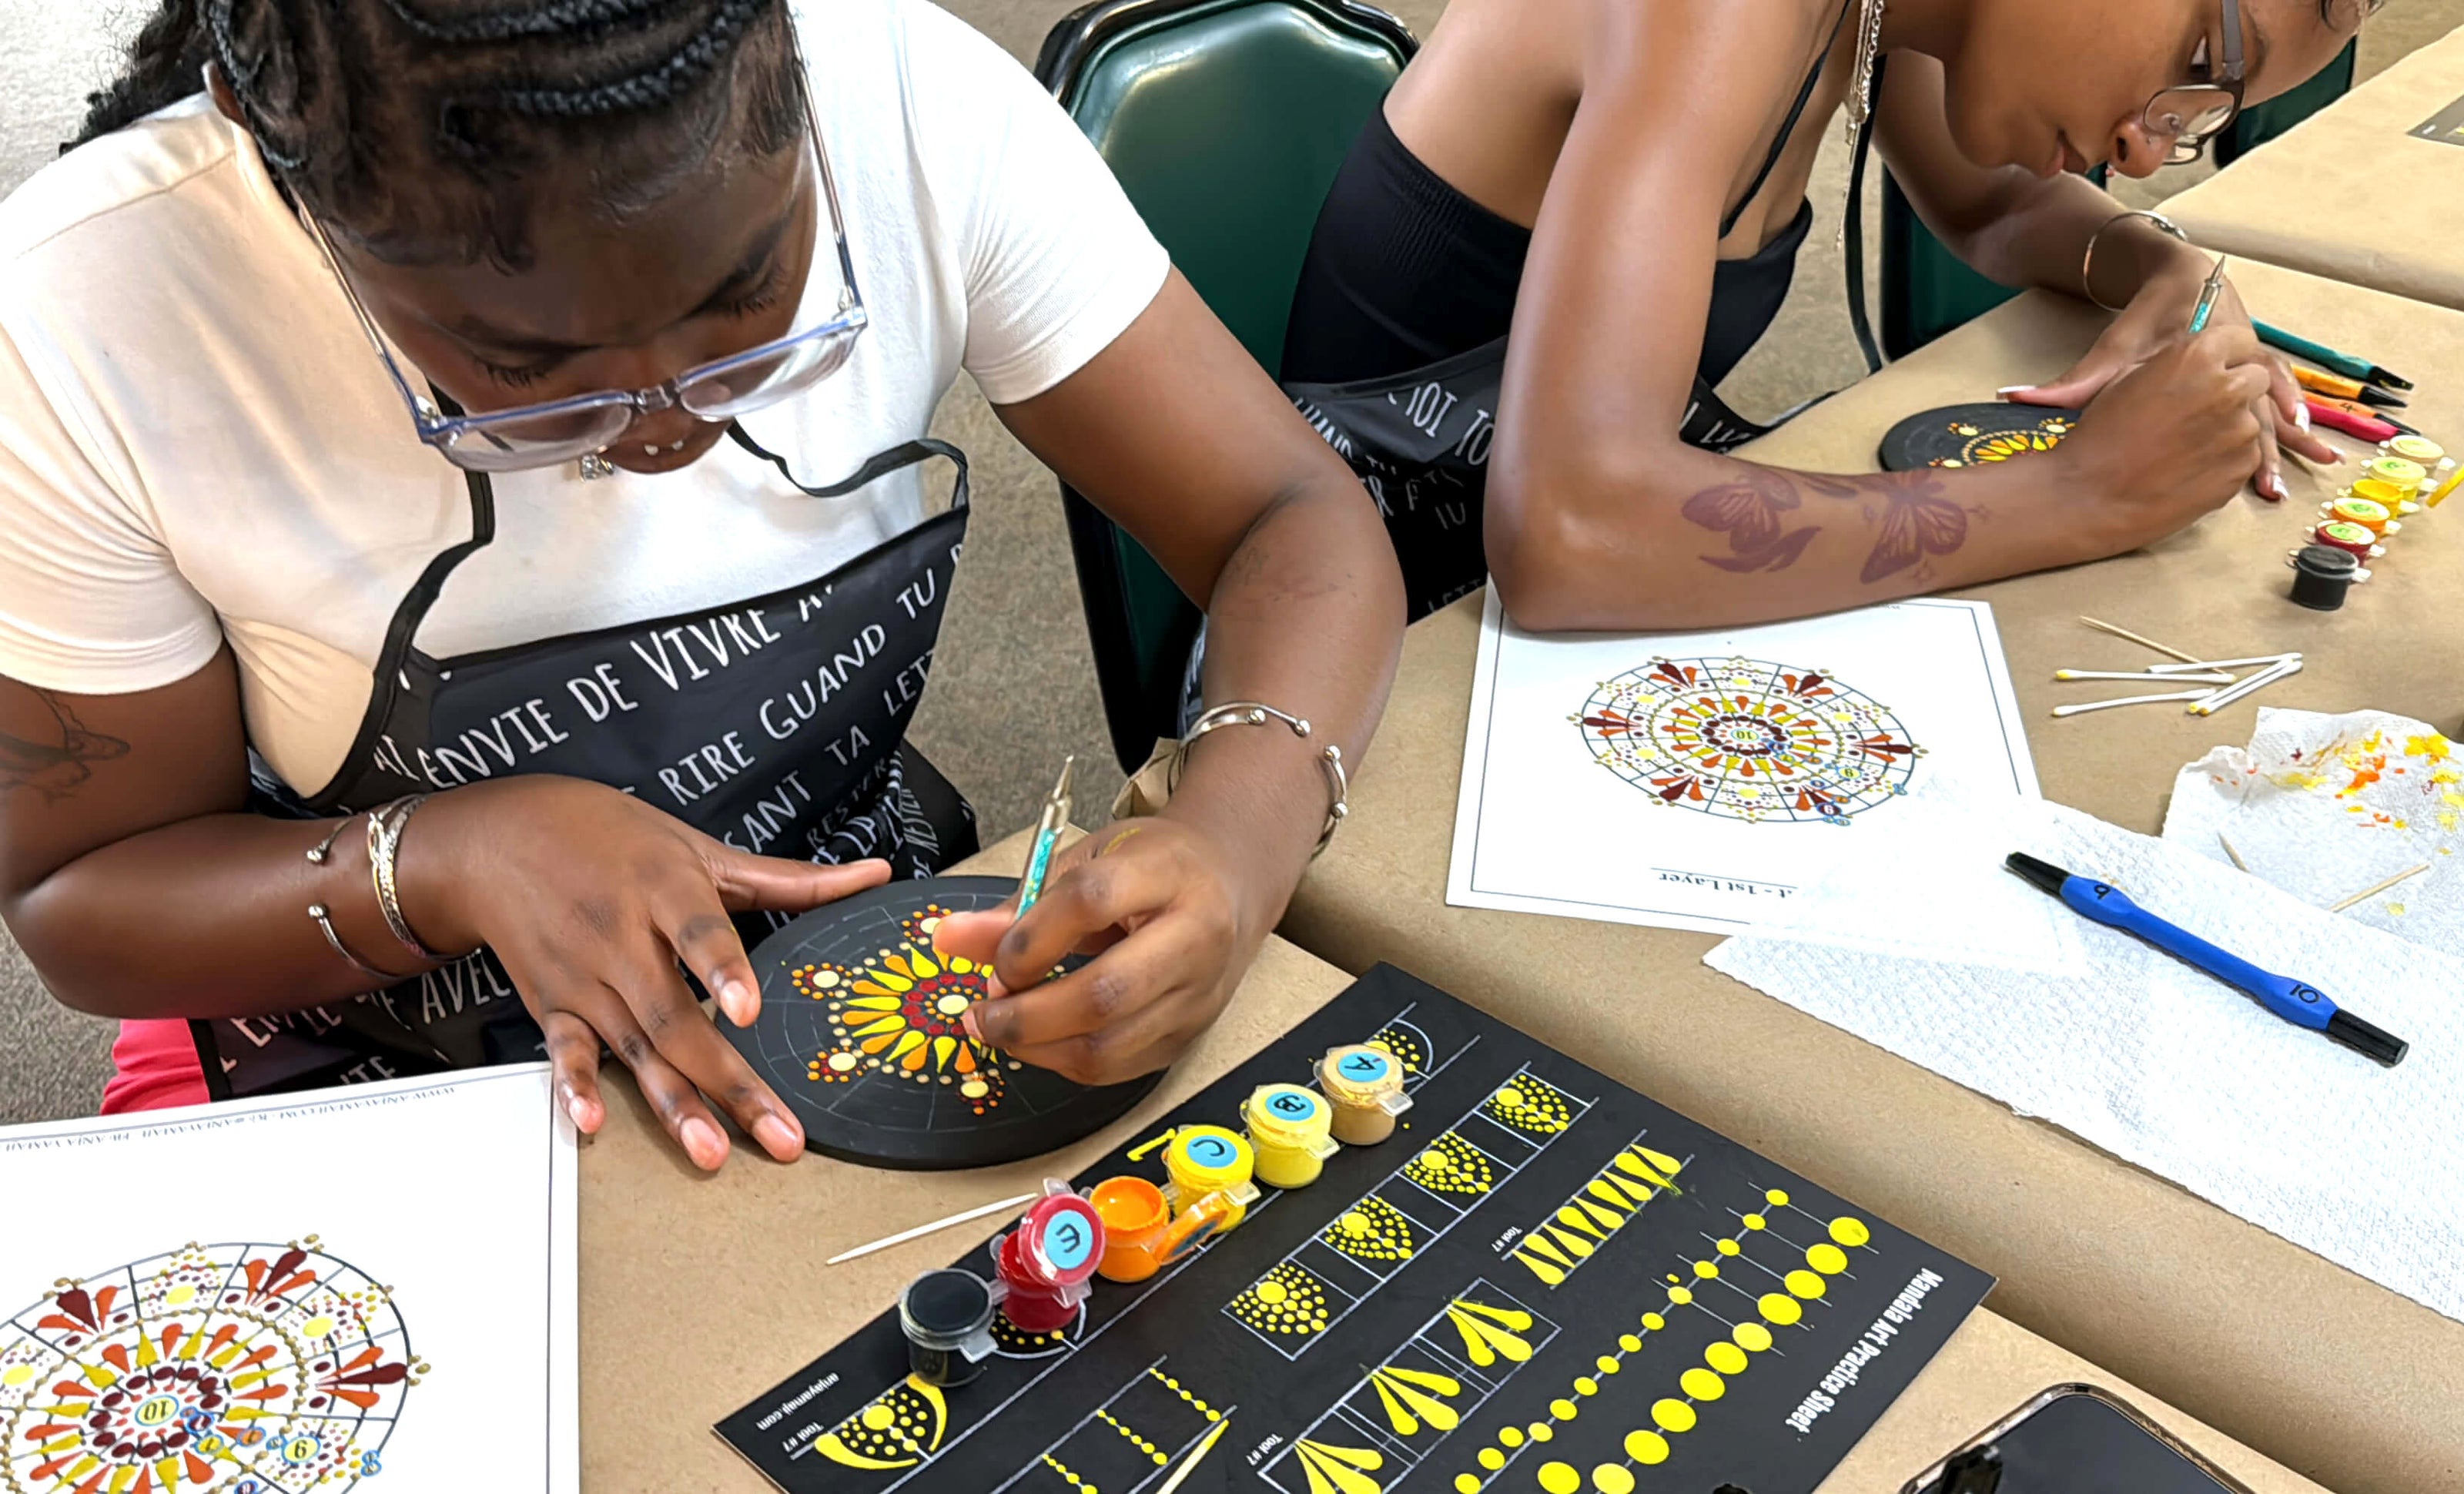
[{"x": 2296, "y": 1001}]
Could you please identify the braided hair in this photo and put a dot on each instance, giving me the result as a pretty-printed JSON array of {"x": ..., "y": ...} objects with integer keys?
[{"x": 425, "y": 131}]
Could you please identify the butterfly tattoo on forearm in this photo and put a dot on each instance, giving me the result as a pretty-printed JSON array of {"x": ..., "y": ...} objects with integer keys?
[{"x": 1756, "y": 509}]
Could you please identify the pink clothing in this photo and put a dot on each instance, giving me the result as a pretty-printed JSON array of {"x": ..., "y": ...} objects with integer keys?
[{"x": 155, "y": 1068}]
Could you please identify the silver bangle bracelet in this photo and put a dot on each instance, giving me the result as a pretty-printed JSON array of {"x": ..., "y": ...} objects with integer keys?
[
  {"x": 2087, "y": 261},
  {"x": 325, "y": 926},
  {"x": 1253, "y": 712}
]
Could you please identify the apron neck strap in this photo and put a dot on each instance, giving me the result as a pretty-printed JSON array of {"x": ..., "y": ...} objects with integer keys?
[{"x": 906, "y": 453}]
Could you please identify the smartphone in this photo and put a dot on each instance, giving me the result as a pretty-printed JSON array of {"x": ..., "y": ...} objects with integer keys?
[{"x": 2084, "y": 1439}]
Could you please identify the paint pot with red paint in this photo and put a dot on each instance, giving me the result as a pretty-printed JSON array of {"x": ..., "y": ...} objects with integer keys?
[
  {"x": 1048, "y": 1259},
  {"x": 2352, "y": 538}
]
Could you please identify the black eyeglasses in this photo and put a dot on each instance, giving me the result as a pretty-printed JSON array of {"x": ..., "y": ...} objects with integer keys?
[{"x": 2189, "y": 116}]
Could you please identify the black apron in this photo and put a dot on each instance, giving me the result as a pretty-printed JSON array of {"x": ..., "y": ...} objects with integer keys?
[
  {"x": 1420, "y": 441},
  {"x": 777, "y": 724}
]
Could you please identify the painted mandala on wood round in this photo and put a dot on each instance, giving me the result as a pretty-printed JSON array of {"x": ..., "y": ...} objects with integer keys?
[
  {"x": 1749, "y": 739},
  {"x": 224, "y": 1369}
]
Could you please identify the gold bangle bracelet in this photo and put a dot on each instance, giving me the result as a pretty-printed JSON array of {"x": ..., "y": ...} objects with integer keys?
[
  {"x": 2087, "y": 261},
  {"x": 385, "y": 847}
]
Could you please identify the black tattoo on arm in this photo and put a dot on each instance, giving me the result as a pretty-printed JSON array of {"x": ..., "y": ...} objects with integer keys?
[
  {"x": 57, "y": 758},
  {"x": 1917, "y": 523}
]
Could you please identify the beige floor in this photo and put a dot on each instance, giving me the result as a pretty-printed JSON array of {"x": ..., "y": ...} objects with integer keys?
[{"x": 1013, "y": 688}]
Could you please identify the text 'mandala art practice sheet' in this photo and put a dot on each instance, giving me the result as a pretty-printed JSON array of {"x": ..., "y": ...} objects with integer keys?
[
  {"x": 1701, "y": 781},
  {"x": 369, "y": 1288}
]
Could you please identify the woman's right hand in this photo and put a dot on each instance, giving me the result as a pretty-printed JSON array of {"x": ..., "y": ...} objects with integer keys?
[
  {"x": 591, "y": 898},
  {"x": 2169, "y": 441}
]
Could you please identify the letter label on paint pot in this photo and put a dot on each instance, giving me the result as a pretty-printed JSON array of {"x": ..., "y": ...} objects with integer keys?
[
  {"x": 1210, "y": 1152},
  {"x": 1067, "y": 1243},
  {"x": 1363, "y": 1067},
  {"x": 1292, "y": 1103}
]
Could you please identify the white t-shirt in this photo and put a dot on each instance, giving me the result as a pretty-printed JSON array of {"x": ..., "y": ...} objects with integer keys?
[{"x": 198, "y": 446}]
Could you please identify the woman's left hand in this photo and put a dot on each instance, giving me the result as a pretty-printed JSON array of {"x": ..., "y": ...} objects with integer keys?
[
  {"x": 2157, "y": 316},
  {"x": 1172, "y": 928}
]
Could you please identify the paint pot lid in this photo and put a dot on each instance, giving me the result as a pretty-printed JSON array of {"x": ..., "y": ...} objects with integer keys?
[
  {"x": 2396, "y": 469},
  {"x": 2420, "y": 450},
  {"x": 1063, "y": 1240},
  {"x": 1205, "y": 1158},
  {"x": 1360, "y": 1075},
  {"x": 945, "y": 1305},
  {"x": 2363, "y": 511},
  {"x": 1286, "y": 1115}
]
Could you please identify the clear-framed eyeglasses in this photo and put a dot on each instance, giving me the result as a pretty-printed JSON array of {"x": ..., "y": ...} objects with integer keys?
[
  {"x": 556, "y": 431},
  {"x": 2189, "y": 116}
]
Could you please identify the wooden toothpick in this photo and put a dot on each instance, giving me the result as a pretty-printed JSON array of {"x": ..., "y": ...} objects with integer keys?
[
  {"x": 2240, "y": 865},
  {"x": 1189, "y": 1464},
  {"x": 922, "y": 1230},
  {"x": 2373, "y": 891},
  {"x": 2144, "y": 643}
]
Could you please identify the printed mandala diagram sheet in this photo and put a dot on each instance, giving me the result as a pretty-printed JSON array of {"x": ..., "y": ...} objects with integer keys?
[
  {"x": 1699, "y": 780},
  {"x": 366, "y": 1287}
]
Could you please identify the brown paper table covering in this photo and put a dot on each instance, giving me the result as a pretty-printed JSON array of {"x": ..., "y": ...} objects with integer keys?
[
  {"x": 2350, "y": 195},
  {"x": 699, "y": 1292},
  {"x": 2328, "y": 1373}
]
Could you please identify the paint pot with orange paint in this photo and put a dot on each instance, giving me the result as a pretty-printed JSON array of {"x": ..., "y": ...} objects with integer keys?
[{"x": 1141, "y": 1237}]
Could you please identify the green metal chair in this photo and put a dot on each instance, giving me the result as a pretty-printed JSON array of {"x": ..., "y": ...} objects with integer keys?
[
  {"x": 1928, "y": 291},
  {"x": 1225, "y": 121}
]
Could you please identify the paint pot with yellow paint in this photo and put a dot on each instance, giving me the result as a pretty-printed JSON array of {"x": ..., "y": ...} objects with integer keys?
[
  {"x": 1365, "y": 1086},
  {"x": 1292, "y": 1131},
  {"x": 1211, "y": 1170}
]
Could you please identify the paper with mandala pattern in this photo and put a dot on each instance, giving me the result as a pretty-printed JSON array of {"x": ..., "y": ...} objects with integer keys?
[
  {"x": 1699, "y": 780},
  {"x": 356, "y": 1289}
]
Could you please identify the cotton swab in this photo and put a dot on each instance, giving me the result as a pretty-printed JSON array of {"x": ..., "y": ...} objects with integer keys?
[
  {"x": 2144, "y": 643},
  {"x": 2266, "y": 660},
  {"x": 2132, "y": 700},
  {"x": 2219, "y": 699},
  {"x": 2373, "y": 891},
  {"x": 922, "y": 1230},
  {"x": 2180, "y": 677}
]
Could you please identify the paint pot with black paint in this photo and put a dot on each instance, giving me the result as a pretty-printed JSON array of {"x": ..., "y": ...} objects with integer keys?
[
  {"x": 2321, "y": 576},
  {"x": 947, "y": 1316}
]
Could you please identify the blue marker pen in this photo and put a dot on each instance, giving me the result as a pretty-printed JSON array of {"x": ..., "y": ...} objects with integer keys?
[{"x": 2296, "y": 1001}]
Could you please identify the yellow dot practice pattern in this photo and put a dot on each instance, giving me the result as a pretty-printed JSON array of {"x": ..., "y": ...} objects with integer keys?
[{"x": 1700, "y": 1384}]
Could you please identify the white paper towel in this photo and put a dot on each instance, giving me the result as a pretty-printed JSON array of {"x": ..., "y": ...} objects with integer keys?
[
  {"x": 2154, "y": 1062},
  {"x": 2326, "y": 805}
]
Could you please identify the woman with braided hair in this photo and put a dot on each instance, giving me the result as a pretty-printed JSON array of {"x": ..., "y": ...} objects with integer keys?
[{"x": 467, "y": 560}]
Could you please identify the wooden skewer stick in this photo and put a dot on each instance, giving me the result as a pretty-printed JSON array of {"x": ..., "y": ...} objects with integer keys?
[
  {"x": 2373, "y": 891},
  {"x": 1189, "y": 1464},
  {"x": 2144, "y": 643},
  {"x": 2240, "y": 865},
  {"x": 922, "y": 1230},
  {"x": 2132, "y": 700}
]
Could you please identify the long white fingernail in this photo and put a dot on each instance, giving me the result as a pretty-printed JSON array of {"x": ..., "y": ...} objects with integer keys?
[
  {"x": 2277, "y": 483},
  {"x": 2301, "y": 415},
  {"x": 2010, "y": 389},
  {"x": 650, "y": 450}
]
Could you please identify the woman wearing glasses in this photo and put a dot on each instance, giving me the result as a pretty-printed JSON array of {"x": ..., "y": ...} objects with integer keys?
[
  {"x": 1625, "y": 185},
  {"x": 467, "y": 536}
]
